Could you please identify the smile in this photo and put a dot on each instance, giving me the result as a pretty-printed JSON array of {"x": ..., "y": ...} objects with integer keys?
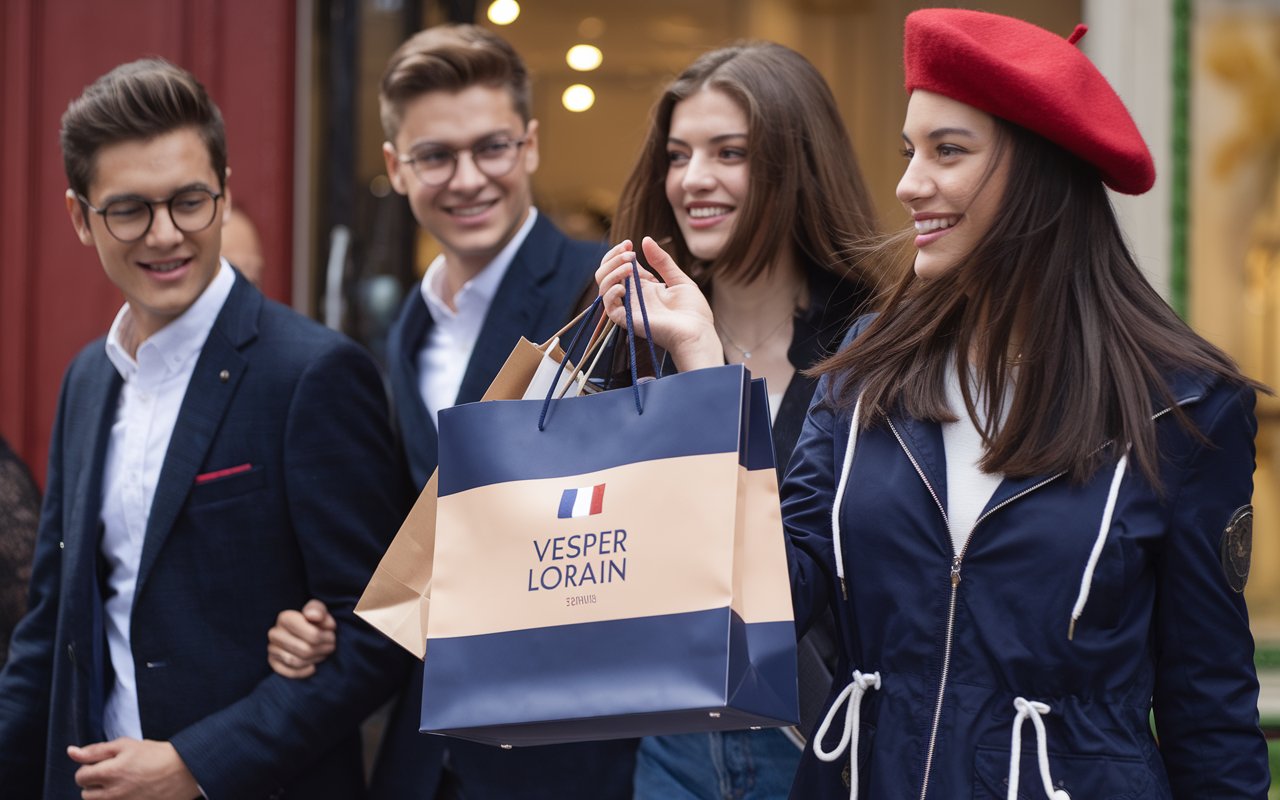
[
  {"x": 164, "y": 266},
  {"x": 935, "y": 224},
  {"x": 705, "y": 212},
  {"x": 472, "y": 210}
]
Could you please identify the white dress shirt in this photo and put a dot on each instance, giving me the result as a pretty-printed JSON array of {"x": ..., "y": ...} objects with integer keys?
[
  {"x": 443, "y": 358},
  {"x": 154, "y": 385}
]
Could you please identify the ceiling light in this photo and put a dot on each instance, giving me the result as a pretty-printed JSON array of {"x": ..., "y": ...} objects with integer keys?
[
  {"x": 578, "y": 97},
  {"x": 584, "y": 57},
  {"x": 503, "y": 12}
]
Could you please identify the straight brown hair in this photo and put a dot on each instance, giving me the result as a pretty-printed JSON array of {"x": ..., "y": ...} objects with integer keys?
[
  {"x": 1096, "y": 340},
  {"x": 806, "y": 194}
]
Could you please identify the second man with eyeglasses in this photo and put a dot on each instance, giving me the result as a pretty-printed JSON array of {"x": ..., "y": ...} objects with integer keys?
[{"x": 462, "y": 147}]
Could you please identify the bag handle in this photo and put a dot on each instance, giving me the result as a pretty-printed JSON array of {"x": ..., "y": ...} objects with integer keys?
[
  {"x": 631, "y": 332},
  {"x": 589, "y": 314}
]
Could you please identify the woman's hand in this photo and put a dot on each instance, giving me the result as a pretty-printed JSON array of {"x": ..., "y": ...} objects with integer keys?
[
  {"x": 301, "y": 639},
  {"x": 679, "y": 315}
]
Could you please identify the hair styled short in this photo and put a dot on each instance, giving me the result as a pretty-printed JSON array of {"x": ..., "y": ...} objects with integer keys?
[
  {"x": 806, "y": 191},
  {"x": 138, "y": 101},
  {"x": 451, "y": 58},
  {"x": 1054, "y": 280}
]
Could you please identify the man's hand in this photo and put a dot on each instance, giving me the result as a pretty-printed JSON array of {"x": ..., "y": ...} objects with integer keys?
[
  {"x": 134, "y": 770},
  {"x": 301, "y": 639}
]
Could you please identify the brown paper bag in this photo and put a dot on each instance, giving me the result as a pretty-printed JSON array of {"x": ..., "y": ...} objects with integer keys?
[{"x": 398, "y": 597}]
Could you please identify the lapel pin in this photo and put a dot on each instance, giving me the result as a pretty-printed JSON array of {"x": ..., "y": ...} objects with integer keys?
[{"x": 224, "y": 376}]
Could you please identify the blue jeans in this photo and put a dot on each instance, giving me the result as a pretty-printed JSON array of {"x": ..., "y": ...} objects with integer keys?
[{"x": 733, "y": 765}]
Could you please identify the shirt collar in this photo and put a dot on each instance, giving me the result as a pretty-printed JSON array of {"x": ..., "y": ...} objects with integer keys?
[
  {"x": 484, "y": 285},
  {"x": 182, "y": 338}
]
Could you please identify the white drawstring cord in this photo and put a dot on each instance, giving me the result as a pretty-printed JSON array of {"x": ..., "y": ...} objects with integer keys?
[
  {"x": 853, "y": 694},
  {"x": 1086, "y": 580},
  {"x": 835, "y": 506},
  {"x": 1033, "y": 710}
]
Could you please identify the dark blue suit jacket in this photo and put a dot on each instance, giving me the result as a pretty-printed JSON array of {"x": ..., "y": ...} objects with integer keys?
[
  {"x": 305, "y": 408},
  {"x": 537, "y": 296}
]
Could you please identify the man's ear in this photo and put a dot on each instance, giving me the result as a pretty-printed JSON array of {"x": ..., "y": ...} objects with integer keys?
[
  {"x": 394, "y": 168},
  {"x": 226, "y": 193},
  {"x": 531, "y": 147},
  {"x": 75, "y": 210}
]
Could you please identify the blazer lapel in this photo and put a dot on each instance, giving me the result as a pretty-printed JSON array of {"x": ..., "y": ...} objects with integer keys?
[
  {"x": 101, "y": 395},
  {"x": 417, "y": 431},
  {"x": 206, "y": 401},
  {"x": 516, "y": 306}
]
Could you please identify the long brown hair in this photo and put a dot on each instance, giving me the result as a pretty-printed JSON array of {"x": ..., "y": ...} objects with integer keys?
[
  {"x": 1094, "y": 341},
  {"x": 806, "y": 193}
]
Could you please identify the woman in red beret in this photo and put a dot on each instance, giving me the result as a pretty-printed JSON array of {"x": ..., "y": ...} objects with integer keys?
[{"x": 1024, "y": 487}]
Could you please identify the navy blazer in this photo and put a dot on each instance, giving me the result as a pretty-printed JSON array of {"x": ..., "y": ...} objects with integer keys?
[
  {"x": 538, "y": 294},
  {"x": 535, "y": 299},
  {"x": 305, "y": 408}
]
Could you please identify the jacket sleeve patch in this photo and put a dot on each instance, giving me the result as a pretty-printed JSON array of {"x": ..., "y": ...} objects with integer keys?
[{"x": 1237, "y": 547}]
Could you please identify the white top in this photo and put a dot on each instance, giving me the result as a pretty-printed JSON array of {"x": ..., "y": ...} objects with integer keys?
[
  {"x": 775, "y": 402},
  {"x": 154, "y": 385},
  {"x": 968, "y": 487},
  {"x": 443, "y": 359}
]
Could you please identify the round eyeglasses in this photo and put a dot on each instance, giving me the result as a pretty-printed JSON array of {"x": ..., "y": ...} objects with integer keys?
[
  {"x": 129, "y": 218},
  {"x": 435, "y": 166}
]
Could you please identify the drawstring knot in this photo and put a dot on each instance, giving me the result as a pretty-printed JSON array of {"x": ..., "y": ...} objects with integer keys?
[
  {"x": 1033, "y": 710},
  {"x": 852, "y": 694}
]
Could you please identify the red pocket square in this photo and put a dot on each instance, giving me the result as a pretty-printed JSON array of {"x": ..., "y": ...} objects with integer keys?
[{"x": 223, "y": 473}]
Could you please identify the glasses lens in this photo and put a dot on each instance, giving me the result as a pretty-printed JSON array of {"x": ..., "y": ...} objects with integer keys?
[
  {"x": 434, "y": 167},
  {"x": 127, "y": 220},
  {"x": 193, "y": 211},
  {"x": 496, "y": 158}
]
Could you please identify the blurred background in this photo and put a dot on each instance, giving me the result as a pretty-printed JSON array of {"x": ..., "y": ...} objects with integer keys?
[{"x": 297, "y": 84}]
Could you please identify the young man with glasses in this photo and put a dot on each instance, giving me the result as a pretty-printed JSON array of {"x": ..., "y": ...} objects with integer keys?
[
  {"x": 462, "y": 147},
  {"x": 203, "y": 475}
]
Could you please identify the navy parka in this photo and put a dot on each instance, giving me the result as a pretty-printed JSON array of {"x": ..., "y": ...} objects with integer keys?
[{"x": 957, "y": 639}]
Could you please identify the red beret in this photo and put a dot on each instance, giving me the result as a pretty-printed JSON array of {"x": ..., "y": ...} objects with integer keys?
[{"x": 1024, "y": 74}]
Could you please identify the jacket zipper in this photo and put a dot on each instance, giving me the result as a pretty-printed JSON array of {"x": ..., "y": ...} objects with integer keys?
[{"x": 956, "y": 563}]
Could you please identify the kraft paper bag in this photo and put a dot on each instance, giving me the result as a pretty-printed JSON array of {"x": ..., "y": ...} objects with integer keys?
[
  {"x": 609, "y": 566},
  {"x": 397, "y": 600}
]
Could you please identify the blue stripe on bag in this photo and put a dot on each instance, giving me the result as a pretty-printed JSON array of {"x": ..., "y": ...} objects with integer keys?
[
  {"x": 759, "y": 447},
  {"x": 583, "y": 426},
  {"x": 671, "y": 667}
]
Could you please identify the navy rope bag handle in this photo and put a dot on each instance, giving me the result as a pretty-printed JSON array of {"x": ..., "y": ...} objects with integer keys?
[{"x": 598, "y": 305}]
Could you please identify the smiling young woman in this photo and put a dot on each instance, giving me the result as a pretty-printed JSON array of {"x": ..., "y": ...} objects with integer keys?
[
  {"x": 748, "y": 175},
  {"x": 962, "y": 493}
]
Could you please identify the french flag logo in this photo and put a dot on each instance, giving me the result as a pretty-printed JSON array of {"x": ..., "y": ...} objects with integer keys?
[{"x": 581, "y": 502}]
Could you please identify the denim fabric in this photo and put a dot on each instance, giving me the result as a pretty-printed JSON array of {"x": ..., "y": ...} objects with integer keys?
[{"x": 734, "y": 765}]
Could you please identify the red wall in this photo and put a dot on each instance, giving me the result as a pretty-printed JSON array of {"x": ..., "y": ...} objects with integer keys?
[{"x": 54, "y": 297}]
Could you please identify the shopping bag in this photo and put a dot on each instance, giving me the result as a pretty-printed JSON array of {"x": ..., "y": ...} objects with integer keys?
[
  {"x": 610, "y": 565},
  {"x": 397, "y": 600}
]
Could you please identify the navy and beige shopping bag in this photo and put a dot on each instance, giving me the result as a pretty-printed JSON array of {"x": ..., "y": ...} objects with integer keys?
[
  {"x": 397, "y": 600},
  {"x": 610, "y": 565}
]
